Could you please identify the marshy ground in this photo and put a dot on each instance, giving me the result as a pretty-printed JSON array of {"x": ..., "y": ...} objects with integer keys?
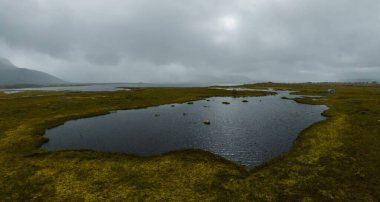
[{"x": 337, "y": 159}]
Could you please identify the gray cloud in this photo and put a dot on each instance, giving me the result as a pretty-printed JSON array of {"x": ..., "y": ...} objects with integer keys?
[{"x": 182, "y": 41}]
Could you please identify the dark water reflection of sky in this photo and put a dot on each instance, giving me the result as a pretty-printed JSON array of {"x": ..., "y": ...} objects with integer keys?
[{"x": 247, "y": 133}]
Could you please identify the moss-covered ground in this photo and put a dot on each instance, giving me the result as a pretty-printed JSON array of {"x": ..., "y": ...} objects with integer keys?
[{"x": 334, "y": 160}]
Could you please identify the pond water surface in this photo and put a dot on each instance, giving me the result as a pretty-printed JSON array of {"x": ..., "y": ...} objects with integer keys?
[{"x": 248, "y": 133}]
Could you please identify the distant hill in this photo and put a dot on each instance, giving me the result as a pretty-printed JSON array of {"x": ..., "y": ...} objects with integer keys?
[{"x": 13, "y": 75}]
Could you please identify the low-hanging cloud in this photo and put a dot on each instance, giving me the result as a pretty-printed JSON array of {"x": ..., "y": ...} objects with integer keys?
[{"x": 185, "y": 41}]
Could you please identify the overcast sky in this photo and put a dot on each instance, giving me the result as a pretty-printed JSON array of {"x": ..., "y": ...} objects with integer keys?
[{"x": 194, "y": 41}]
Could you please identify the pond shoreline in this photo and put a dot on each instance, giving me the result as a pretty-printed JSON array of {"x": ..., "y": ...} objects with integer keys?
[
  {"x": 316, "y": 161},
  {"x": 152, "y": 108}
]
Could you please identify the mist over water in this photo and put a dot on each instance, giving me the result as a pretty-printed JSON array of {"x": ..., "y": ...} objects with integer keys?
[{"x": 102, "y": 87}]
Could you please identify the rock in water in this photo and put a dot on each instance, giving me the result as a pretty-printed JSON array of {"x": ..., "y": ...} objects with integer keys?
[{"x": 207, "y": 122}]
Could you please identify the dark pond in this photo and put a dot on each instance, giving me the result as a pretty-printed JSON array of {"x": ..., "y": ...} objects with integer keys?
[{"x": 245, "y": 132}]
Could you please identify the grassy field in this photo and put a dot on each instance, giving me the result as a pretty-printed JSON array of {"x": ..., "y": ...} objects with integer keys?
[{"x": 334, "y": 160}]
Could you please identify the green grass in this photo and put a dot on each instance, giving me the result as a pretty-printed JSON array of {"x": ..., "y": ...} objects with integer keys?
[{"x": 334, "y": 160}]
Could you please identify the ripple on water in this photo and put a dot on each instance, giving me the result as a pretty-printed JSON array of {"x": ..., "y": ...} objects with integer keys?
[{"x": 247, "y": 133}]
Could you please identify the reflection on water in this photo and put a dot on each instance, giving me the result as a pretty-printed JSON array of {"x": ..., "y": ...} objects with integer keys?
[{"x": 248, "y": 133}]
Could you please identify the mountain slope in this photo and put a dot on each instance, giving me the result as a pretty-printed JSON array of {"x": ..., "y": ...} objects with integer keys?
[{"x": 12, "y": 75}]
